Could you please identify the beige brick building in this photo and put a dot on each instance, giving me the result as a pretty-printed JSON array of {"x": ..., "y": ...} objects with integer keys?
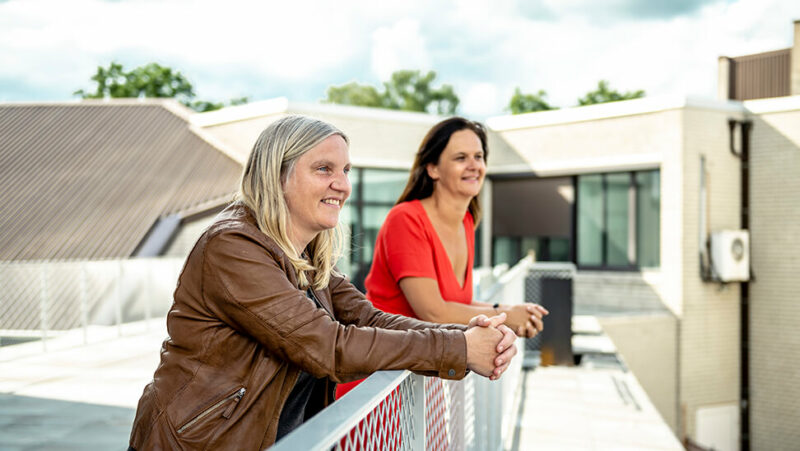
[{"x": 667, "y": 177}]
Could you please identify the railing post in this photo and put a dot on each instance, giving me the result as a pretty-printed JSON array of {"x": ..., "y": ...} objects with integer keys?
[
  {"x": 43, "y": 305},
  {"x": 481, "y": 415},
  {"x": 84, "y": 302},
  {"x": 418, "y": 411},
  {"x": 118, "y": 306},
  {"x": 148, "y": 292}
]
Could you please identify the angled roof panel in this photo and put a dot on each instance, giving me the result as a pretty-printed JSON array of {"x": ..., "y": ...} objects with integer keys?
[{"x": 88, "y": 180}]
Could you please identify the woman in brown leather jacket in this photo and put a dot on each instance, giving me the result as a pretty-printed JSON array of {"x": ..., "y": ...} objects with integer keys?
[{"x": 262, "y": 326}]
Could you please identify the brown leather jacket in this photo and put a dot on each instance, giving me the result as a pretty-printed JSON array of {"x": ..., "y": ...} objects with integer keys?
[{"x": 240, "y": 330}]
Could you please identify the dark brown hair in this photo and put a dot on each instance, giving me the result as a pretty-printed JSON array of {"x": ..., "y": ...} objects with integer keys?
[{"x": 420, "y": 184}]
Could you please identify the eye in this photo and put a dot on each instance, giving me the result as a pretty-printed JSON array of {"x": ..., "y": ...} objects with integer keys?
[
  {"x": 323, "y": 169},
  {"x": 347, "y": 170}
]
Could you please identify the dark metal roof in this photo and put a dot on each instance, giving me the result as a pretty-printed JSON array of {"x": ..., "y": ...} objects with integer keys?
[
  {"x": 89, "y": 179},
  {"x": 761, "y": 75}
]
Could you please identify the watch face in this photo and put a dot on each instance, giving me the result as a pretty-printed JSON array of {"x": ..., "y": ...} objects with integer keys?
[{"x": 737, "y": 249}]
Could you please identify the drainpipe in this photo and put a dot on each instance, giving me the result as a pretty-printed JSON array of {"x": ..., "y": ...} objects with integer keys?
[{"x": 744, "y": 301}]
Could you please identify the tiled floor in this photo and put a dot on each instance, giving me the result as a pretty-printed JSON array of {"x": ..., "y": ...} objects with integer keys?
[
  {"x": 83, "y": 397},
  {"x": 76, "y": 397}
]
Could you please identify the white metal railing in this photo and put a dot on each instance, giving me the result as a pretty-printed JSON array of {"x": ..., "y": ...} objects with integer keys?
[
  {"x": 42, "y": 299},
  {"x": 402, "y": 410}
]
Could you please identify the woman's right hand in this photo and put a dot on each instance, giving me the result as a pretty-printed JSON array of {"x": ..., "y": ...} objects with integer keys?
[
  {"x": 525, "y": 319},
  {"x": 482, "y": 349}
]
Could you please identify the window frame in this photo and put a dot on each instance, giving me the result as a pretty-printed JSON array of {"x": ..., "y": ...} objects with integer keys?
[{"x": 633, "y": 230}]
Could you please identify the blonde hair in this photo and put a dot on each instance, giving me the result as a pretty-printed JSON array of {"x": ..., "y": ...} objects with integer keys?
[{"x": 270, "y": 165}]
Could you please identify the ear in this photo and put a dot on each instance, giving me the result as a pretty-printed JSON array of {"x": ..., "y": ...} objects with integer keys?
[{"x": 433, "y": 171}]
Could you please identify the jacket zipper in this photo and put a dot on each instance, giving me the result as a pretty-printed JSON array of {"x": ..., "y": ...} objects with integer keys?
[{"x": 236, "y": 397}]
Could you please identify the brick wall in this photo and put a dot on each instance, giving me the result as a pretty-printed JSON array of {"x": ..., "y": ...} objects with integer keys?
[
  {"x": 599, "y": 292},
  {"x": 709, "y": 330},
  {"x": 775, "y": 294}
]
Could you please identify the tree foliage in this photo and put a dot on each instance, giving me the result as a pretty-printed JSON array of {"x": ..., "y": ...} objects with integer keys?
[
  {"x": 604, "y": 94},
  {"x": 150, "y": 80},
  {"x": 406, "y": 90},
  {"x": 527, "y": 103}
]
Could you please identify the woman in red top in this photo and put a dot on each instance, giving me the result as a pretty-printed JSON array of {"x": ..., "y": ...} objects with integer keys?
[{"x": 424, "y": 253}]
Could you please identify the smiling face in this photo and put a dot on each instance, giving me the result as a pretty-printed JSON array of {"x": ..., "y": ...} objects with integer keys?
[
  {"x": 461, "y": 166},
  {"x": 316, "y": 190}
]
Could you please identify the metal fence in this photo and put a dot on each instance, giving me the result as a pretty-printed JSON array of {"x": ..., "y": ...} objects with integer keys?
[
  {"x": 39, "y": 300},
  {"x": 399, "y": 410},
  {"x": 537, "y": 272}
]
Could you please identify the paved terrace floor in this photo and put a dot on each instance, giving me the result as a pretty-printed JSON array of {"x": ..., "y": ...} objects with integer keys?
[{"x": 84, "y": 397}]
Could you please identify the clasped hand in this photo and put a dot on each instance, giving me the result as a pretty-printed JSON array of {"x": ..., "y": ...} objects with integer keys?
[
  {"x": 490, "y": 345},
  {"x": 526, "y": 319}
]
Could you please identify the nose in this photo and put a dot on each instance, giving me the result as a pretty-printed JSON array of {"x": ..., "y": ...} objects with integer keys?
[
  {"x": 341, "y": 183},
  {"x": 475, "y": 163}
]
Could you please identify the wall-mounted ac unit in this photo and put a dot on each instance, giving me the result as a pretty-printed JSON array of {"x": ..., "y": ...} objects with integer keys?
[{"x": 730, "y": 255}]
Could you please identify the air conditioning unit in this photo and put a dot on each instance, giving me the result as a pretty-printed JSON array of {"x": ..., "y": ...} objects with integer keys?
[{"x": 730, "y": 255}]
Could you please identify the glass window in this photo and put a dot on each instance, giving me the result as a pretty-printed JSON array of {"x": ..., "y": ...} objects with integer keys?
[
  {"x": 618, "y": 188},
  {"x": 505, "y": 250},
  {"x": 559, "y": 249},
  {"x": 648, "y": 218},
  {"x": 618, "y": 223},
  {"x": 590, "y": 219},
  {"x": 531, "y": 243},
  {"x": 374, "y": 193},
  {"x": 383, "y": 185}
]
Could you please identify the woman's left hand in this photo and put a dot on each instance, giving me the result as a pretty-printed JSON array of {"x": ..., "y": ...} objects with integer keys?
[{"x": 505, "y": 348}]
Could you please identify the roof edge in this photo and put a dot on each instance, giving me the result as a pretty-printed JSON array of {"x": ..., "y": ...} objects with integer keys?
[
  {"x": 362, "y": 112},
  {"x": 773, "y": 104},
  {"x": 281, "y": 105},
  {"x": 236, "y": 113},
  {"x": 607, "y": 111}
]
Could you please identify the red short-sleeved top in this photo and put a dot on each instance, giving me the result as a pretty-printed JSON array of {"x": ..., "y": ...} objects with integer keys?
[{"x": 408, "y": 246}]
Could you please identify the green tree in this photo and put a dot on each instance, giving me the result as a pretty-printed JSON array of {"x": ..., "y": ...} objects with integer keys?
[
  {"x": 526, "y": 103},
  {"x": 150, "y": 80},
  {"x": 406, "y": 90},
  {"x": 355, "y": 94},
  {"x": 604, "y": 94}
]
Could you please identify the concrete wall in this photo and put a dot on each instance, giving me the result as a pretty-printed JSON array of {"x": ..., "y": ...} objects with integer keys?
[
  {"x": 709, "y": 331},
  {"x": 774, "y": 306},
  {"x": 648, "y": 345}
]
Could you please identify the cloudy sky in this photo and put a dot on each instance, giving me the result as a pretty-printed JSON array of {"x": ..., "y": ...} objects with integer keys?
[{"x": 265, "y": 49}]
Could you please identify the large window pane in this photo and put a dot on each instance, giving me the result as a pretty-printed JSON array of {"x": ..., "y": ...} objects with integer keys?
[
  {"x": 373, "y": 219},
  {"x": 617, "y": 205},
  {"x": 559, "y": 249},
  {"x": 531, "y": 243},
  {"x": 648, "y": 214},
  {"x": 383, "y": 185},
  {"x": 590, "y": 219},
  {"x": 505, "y": 250}
]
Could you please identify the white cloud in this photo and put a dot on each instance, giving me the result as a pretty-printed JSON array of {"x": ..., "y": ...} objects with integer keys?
[
  {"x": 238, "y": 47},
  {"x": 480, "y": 98},
  {"x": 400, "y": 46}
]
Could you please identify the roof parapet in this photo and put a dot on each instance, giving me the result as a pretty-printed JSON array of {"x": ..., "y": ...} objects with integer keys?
[{"x": 608, "y": 110}]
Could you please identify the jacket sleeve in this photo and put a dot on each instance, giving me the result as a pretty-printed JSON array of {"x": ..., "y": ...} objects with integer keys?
[
  {"x": 351, "y": 307},
  {"x": 247, "y": 289}
]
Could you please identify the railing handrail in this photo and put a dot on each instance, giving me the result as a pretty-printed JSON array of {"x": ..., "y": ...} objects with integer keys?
[{"x": 322, "y": 431}]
